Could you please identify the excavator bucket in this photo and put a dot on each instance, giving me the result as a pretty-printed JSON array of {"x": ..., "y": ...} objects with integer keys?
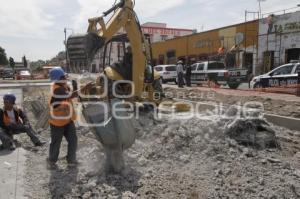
[
  {"x": 114, "y": 133},
  {"x": 82, "y": 48}
]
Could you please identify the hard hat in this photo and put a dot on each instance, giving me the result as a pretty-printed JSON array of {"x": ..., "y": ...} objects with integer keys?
[
  {"x": 56, "y": 73},
  {"x": 179, "y": 62},
  {"x": 10, "y": 98}
]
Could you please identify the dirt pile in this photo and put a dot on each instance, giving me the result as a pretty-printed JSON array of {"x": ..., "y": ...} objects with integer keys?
[{"x": 194, "y": 159}]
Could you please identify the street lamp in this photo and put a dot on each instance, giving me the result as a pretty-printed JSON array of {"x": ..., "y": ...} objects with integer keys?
[{"x": 260, "y": 14}]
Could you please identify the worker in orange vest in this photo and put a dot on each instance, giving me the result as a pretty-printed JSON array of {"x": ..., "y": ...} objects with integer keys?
[
  {"x": 62, "y": 117},
  {"x": 14, "y": 121}
]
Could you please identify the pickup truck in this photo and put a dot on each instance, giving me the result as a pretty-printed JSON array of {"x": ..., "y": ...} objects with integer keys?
[{"x": 217, "y": 72}]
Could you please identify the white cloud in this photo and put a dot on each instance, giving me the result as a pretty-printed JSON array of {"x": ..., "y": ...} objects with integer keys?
[
  {"x": 26, "y": 18},
  {"x": 146, "y": 8}
]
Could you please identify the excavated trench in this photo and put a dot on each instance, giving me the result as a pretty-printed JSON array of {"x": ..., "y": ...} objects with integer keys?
[{"x": 212, "y": 156}]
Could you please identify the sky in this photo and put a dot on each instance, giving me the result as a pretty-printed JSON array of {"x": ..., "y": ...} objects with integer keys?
[{"x": 35, "y": 28}]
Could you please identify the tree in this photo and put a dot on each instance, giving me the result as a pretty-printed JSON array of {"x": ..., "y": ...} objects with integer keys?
[
  {"x": 3, "y": 57},
  {"x": 24, "y": 61},
  {"x": 34, "y": 65},
  {"x": 58, "y": 59},
  {"x": 12, "y": 63}
]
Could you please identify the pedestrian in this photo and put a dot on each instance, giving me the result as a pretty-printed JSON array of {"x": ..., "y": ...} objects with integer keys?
[
  {"x": 179, "y": 69},
  {"x": 14, "y": 121},
  {"x": 188, "y": 73},
  {"x": 62, "y": 117}
]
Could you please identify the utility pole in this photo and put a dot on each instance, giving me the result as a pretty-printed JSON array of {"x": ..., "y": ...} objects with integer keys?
[
  {"x": 66, "y": 52},
  {"x": 260, "y": 12}
]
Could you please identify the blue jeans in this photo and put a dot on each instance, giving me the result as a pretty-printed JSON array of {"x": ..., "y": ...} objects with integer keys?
[{"x": 57, "y": 133}]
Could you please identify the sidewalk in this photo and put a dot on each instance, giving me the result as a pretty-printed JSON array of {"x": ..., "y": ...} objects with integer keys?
[{"x": 12, "y": 165}]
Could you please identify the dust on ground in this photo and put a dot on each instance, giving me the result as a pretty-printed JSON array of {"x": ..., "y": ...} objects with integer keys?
[{"x": 171, "y": 158}]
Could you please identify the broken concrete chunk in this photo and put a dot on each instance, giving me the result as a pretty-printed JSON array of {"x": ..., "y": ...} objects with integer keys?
[{"x": 252, "y": 132}]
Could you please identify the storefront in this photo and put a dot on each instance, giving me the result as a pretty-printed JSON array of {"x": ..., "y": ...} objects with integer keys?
[
  {"x": 279, "y": 41},
  {"x": 238, "y": 40}
]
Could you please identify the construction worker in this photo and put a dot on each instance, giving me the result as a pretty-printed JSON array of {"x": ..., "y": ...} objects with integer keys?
[
  {"x": 14, "y": 121},
  {"x": 188, "y": 74},
  {"x": 62, "y": 116},
  {"x": 179, "y": 69}
]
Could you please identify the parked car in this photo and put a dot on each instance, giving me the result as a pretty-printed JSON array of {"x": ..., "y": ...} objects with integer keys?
[
  {"x": 8, "y": 73},
  {"x": 23, "y": 75},
  {"x": 167, "y": 73},
  {"x": 286, "y": 74},
  {"x": 217, "y": 72}
]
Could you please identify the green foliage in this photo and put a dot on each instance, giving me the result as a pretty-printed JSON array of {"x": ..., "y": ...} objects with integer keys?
[
  {"x": 3, "y": 57},
  {"x": 12, "y": 62},
  {"x": 24, "y": 61}
]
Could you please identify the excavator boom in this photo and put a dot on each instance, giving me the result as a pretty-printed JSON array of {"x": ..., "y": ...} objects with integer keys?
[{"x": 82, "y": 48}]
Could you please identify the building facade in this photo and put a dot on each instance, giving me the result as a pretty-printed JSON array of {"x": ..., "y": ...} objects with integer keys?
[
  {"x": 157, "y": 32},
  {"x": 160, "y": 32},
  {"x": 279, "y": 41},
  {"x": 240, "y": 39}
]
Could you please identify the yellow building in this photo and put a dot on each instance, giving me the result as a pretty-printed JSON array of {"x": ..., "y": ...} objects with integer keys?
[{"x": 240, "y": 39}]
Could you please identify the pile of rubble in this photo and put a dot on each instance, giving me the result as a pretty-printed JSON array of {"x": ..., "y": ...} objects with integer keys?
[
  {"x": 216, "y": 157},
  {"x": 195, "y": 159}
]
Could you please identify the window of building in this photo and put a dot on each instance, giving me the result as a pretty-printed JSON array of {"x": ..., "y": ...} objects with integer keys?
[
  {"x": 164, "y": 37},
  {"x": 161, "y": 59},
  {"x": 171, "y": 56}
]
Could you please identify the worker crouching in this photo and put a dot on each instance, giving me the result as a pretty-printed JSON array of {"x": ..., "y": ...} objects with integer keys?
[{"x": 14, "y": 121}]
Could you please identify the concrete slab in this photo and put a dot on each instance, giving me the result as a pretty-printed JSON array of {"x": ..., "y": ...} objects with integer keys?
[{"x": 12, "y": 165}]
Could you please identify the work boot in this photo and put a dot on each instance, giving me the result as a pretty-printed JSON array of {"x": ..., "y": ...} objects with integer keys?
[
  {"x": 51, "y": 165},
  {"x": 8, "y": 145}
]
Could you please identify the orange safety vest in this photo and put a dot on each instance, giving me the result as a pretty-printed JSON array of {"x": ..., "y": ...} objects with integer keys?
[
  {"x": 63, "y": 112},
  {"x": 7, "y": 120}
]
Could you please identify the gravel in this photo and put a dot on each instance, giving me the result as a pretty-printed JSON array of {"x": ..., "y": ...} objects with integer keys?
[{"x": 172, "y": 158}]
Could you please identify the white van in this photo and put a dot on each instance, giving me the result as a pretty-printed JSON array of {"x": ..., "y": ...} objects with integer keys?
[{"x": 168, "y": 73}]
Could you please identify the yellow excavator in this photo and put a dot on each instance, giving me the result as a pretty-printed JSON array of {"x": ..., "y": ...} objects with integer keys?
[
  {"x": 137, "y": 69},
  {"x": 142, "y": 82}
]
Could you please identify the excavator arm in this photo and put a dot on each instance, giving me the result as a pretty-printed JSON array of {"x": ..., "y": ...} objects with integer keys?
[{"x": 83, "y": 48}]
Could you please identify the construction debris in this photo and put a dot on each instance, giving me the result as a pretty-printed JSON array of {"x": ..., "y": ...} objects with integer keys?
[
  {"x": 176, "y": 158},
  {"x": 254, "y": 132}
]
